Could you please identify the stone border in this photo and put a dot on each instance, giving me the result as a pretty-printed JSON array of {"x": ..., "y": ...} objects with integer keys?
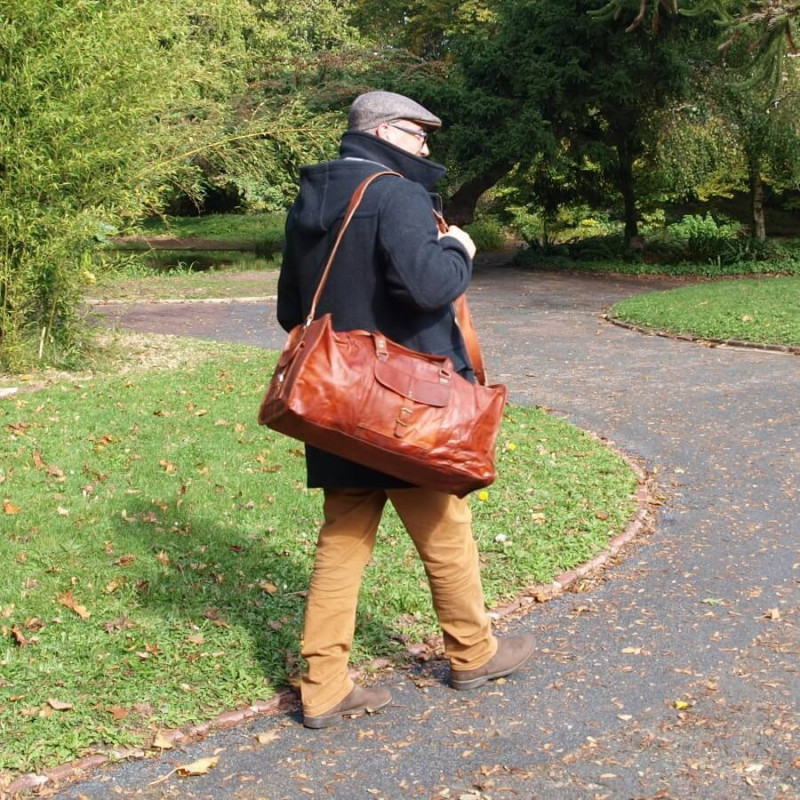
[
  {"x": 287, "y": 698},
  {"x": 640, "y": 522},
  {"x": 687, "y": 337}
]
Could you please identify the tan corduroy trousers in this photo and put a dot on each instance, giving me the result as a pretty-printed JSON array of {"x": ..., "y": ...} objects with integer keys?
[{"x": 440, "y": 526}]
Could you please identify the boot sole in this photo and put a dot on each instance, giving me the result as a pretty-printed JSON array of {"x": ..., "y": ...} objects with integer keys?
[{"x": 327, "y": 720}]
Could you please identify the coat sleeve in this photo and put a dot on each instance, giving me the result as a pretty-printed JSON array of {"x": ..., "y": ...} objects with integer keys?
[
  {"x": 289, "y": 306},
  {"x": 421, "y": 269}
]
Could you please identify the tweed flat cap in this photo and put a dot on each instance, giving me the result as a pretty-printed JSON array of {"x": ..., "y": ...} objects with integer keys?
[{"x": 374, "y": 108}]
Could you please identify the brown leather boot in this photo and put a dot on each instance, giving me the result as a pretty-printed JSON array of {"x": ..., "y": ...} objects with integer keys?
[
  {"x": 356, "y": 704},
  {"x": 511, "y": 654}
]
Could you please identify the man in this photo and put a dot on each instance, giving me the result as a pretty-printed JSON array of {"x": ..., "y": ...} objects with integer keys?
[{"x": 396, "y": 273}]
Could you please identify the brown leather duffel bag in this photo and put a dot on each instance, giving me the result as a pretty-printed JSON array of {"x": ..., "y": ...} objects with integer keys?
[{"x": 361, "y": 396}]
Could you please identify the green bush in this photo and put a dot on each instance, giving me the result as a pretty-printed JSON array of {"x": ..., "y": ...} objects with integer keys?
[
  {"x": 488, "y": 234},
  {"x": 94, "y": 110},
  {"x": 705, "y": 239}
]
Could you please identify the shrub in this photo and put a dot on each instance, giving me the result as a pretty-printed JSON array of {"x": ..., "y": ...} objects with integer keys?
[
  {"x": 705, "y": 239},
  {"x": 96, "y": 106},
  {"x": 488, "y": 234}
]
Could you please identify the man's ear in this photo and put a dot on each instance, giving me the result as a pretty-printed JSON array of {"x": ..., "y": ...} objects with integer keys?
[{"x": 383, "y": 131}]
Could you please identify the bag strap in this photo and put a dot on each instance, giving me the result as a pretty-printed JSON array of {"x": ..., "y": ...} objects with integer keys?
[
  {"x": 352, "y": 207},
  {"x": 463, "y": 316},
  {"x": 466, "y": 325}
]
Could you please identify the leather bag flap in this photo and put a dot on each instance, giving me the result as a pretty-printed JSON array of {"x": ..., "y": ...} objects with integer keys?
[{"x": 416, "y": 379}]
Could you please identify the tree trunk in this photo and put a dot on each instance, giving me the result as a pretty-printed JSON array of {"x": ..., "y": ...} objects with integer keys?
[
  {"x": 460, "y": 208},
  {"x": 757, "y": 203},
  {"x": 626, "y": 187}
]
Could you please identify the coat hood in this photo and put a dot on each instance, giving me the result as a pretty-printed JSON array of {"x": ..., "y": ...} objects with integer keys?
[{"x": 326, "y": 189}]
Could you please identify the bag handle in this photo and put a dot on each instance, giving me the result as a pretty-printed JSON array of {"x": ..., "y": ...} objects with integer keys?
[{"x": 463, "y": 315}]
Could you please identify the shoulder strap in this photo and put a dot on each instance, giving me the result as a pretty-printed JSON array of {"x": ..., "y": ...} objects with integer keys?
[
  {"x": 466, "y": 325},
  {"x": 470, "y": 335},
  {"x": 355, "y": 202}
]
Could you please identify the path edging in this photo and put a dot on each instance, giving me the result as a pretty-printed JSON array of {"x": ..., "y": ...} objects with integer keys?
[{"x": 688, "y": 337}]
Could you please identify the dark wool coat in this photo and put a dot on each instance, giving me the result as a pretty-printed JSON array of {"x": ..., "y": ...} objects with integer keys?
[{"x": 392, "y": 272}]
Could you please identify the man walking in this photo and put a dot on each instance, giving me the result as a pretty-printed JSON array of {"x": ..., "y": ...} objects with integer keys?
[{"x": 396, "y": 273}]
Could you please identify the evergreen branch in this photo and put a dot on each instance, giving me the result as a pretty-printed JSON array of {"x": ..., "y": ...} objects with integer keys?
[{"x": 266, "y": 134}]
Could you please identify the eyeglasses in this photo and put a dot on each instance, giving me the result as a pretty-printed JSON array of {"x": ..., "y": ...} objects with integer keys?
[{"x": 423, "y": 135}]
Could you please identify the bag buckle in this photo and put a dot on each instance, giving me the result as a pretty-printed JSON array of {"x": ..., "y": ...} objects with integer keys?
[
  {"x": 403, "y": 421},
  {"x": 381, "y": 350}
]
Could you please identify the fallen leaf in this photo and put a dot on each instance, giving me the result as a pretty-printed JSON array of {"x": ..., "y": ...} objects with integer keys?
[
  {"x": 196, "y": 638},
  {"x": 268, "y": 736},
  {"x": 19, "y": 637},
  {"x": 269, "y": 588},
  {"x": 9, "y": 508},
  {"x": 57, "y": 473},
  {"x": 68, "y": 601},
  {"x": 62, "y": 512},
  {"x": 120, "y": 624},
  {"x": 168, "y": 466},
  {"x": 117, "y": 712},
  {"x": 59, "y": 706},
  {"x": 773, "y": 614},
  {"x": 38, "y": 461},
  {"x": 162, "y": 743},
  {"x": 200, "y": 767},
  {"x": 635, "y": 651},
  {"x": 681, "y": 705}
]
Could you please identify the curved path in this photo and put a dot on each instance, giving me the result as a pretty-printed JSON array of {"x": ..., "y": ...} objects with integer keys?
[{"x": 675, "y": 675}]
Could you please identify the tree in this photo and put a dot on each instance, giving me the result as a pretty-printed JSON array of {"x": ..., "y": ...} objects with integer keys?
[
  {"x": 765, "y": 119},
  {"x": 580, "y": 85},
  {"x": 105, "y": 107},
  {"x": 283, "y": 116},
  {"x": 97, "y": 101}
]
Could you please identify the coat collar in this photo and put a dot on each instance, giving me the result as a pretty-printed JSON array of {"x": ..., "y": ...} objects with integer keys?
[{"x": 356, "y": 144}]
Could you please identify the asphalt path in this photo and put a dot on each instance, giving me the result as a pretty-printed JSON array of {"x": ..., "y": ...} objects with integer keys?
[{"x": 674, "y": 674}]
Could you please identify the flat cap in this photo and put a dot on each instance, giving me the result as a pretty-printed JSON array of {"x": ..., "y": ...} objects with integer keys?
[{"x": 374, "y": 108}]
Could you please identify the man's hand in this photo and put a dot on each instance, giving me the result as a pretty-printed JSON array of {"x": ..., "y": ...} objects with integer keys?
[{"x": 462, "y": 237}]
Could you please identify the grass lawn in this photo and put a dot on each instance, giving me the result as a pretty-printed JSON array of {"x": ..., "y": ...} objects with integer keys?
[
  {"x": 257, "y": 227},
  {"x": 766, "y": 310},
  {"x": 619, "y": 266},
  {"x": 157, "y": 545},
  {"x": 185, "y": 285}
]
